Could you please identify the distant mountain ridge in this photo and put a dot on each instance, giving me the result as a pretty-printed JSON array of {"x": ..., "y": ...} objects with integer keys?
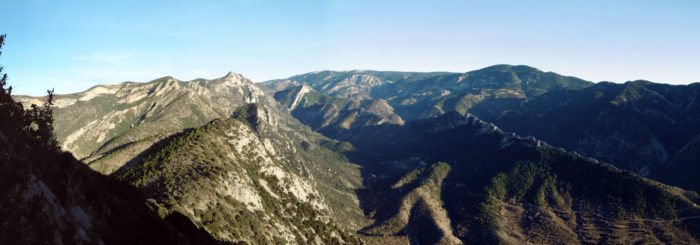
[
  {"x": 293, "y": 164},
  {"x": 49, "y": 197},
  {"x": 325, "y": 113},
  {"x": 108, "y": 125},
  {"x": 400, "y": 158},
  {"x": 334, "y": 102},
  {"x": 421, "y": 95},
  {"x": 643, "y": 125}
]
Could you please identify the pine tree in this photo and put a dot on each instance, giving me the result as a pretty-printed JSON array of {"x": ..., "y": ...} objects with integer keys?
[{"x": 24, "y": 128}]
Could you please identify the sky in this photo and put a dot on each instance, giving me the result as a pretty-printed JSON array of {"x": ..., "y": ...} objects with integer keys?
[{"x": 74, "y": 45}]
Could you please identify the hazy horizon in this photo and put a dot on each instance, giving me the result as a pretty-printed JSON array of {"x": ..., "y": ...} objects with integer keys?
[
  {"x": 74, "y": 46},
  {"x": 347, "y": 70}
]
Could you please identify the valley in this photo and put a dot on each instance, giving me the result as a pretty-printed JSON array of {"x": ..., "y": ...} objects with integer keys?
[{"x": 373, "y": 157}]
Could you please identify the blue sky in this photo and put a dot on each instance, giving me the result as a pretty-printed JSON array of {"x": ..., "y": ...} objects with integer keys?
[{"x": 73, "y": 45}]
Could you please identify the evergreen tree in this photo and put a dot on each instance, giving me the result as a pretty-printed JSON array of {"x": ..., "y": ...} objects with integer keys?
[{"x": 24, "y": 128}]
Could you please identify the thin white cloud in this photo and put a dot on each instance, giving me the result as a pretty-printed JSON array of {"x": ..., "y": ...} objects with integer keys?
[{"x": 100, "y": 57}]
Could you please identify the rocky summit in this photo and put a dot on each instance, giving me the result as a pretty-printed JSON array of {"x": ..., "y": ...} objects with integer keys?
[
  {"x": 108, "y": 125},
  {"x": 505, "y": 154}
]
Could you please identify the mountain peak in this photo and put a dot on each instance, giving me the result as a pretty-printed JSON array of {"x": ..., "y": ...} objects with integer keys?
[
  {"x": 254, "y": 114},
  {"x": 233, "y": 79},
  {"x": 230, "y": 74},
  {"x": 233, "y": 76},
  {"x": 509, "y": 68}
]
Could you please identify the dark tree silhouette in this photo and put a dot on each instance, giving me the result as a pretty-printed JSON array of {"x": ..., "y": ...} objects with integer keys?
[
  {"x": 24, "y": 128},
  {"x": 29, "y": 155}
]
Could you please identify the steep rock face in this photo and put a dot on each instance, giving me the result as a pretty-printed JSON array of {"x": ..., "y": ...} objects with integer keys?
[
  {"x": 61, "y": 201},
  {"x": 327, "y": 114},
  {"x": 47, "y": 196},
  {"x": 248, "y": 179},
  {"x": 263, "y": 177},
  {"x": 324, "y": 182},
  {"x": 111, "y": 124},
  {"x": 500, "y": 187}
]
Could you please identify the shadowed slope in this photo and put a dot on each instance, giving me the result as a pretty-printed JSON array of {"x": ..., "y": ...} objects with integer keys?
[
  {"x": 502, "y": 187},
  {"x": 251, "y": 179}
]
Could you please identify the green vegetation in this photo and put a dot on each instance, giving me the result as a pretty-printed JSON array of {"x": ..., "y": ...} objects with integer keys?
[
  {"x": 204, "y": 174},
  {"x": 50, "y": 197},
  {"x": 500, "y": 182},
  {"x": 252, "y": 180},
  {"x": 155, "y": 163},
  {"x": 648, "y": 128}
]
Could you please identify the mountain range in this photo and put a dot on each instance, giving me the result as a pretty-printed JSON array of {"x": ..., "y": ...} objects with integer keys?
[
  {"x": 641, "y": 126},
  {"x": 505, "y": 154}
]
